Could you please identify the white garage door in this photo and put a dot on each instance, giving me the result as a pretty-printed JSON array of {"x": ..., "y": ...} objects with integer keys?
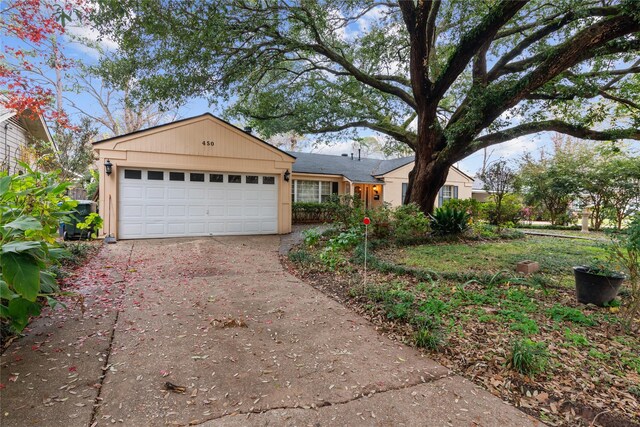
[{"x": 157, "y": 203}]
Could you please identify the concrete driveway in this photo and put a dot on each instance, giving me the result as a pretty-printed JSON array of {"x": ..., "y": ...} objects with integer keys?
[{"x": 251, "y": 345}]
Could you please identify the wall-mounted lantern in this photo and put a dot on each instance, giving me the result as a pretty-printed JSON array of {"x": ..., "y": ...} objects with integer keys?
[
  {"x": 108, "y": 167},
  {"x": 287, "y": 175}
]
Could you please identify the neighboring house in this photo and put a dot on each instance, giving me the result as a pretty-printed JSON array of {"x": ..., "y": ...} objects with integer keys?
[
  {"x": 317, "y": 176},
  {"x": 16, "y": 132},
  {"x": 202, "y": 176},
  {"x": 478, "y": 191}
]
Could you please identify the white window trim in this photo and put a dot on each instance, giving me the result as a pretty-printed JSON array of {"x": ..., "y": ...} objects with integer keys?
[{"x": 295, "y": 189}]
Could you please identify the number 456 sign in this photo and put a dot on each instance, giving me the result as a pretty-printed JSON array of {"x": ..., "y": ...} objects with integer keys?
[{"x": 208, "y": 143}]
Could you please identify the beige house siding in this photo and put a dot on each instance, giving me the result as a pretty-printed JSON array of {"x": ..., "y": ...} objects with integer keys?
[
  {"x": 179, "y": 146},
  {"x": 14, "y": 138},
  {"x": 393, "y": 184}
]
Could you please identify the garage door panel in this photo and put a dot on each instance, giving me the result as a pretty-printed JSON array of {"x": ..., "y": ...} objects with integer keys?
[
  {"x": 197, "y": 228},
  {"x": 166, "y": 208},
  {"x": 234, "y": 227},
  {"x": 251, "y": 211},
  {"x": 155, "y": 193},
  {"x": 133, "y": 192},
  {"x": 155, "y": 211},
  {"x": 155, "y": 229},
  {"x": 176, "y": 228},
  {"x": 175, "y": 194},
  {"x": 197, "y": 211},
  {"x": 253, "y": 195},
  {"x": 176, "y": 211},
  {"x": 132, "y": 211}
]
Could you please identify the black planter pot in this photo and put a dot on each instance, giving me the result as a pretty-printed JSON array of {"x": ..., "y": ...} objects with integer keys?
[{"x": 595, "y": 288}]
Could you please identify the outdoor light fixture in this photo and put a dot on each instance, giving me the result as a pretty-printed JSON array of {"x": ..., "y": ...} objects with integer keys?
[
  {"x": 287, "y": 174},
  {"x": 108, "y": 167}
]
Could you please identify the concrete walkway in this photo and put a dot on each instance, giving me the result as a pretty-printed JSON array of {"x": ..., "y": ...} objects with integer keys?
[{"x": 251, "y": 345}]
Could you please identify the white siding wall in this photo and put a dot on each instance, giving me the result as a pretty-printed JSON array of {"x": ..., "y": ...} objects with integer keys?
[{"x": 12, "y": 139}]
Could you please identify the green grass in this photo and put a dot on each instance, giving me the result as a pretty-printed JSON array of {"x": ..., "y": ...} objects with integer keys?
[{"x": 555, "y": 255}]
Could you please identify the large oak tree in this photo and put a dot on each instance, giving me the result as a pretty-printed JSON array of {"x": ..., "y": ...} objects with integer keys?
[{"x": 446, "y": 78}]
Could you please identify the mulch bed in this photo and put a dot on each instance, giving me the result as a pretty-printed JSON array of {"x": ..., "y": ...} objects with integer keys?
[{"x": 574, "y": 391}]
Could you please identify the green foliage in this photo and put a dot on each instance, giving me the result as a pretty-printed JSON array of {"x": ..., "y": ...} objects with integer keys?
[
  {"x": 380, "y": 217},
  {"x": 625, "y": 252},
  {"x": 333, "y": 253},
  {"x": 312, "y": 212},
  {"x": 471, "y": 206},
  {"x": 528, "y": 357},
  {"x": 568, "y": 314},
  {"x": 575, "y": 338},
  {"x": 311, "y": 236},
  {"x": 300, "y": 257},
  {"x": 510, "y": 211},
  {"x": 31, "y": 207},
  {"x": 93, "y": 223},
  {"x": 448, "y": 221},
  {"x": 429, "y": 333},
  {"x": 409, "y": 222}
]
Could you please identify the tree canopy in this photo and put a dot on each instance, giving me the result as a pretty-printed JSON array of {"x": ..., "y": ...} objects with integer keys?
[{"x": 446, "y": 78}]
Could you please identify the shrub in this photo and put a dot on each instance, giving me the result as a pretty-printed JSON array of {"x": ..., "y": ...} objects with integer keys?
[
  {"x": 409, "y": 222},
  {"x": 528, "y": 357},
  {"x": 447, "y": 221},
  {"x": 311, "y": 236},
  {"x": 511, "y": 210},
  {"x": 380, "y": 221},
  {"x": 310, "y": 212},
  {"x": 31, "y": 207},
  {"x": 92, "y": 223},
  {"x": 471, "y": 206},
  {"x": 347, "y": 210}
]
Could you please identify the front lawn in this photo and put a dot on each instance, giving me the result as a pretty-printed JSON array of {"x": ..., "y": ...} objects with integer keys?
[
  {"x": 525, "y": 339},
  {"x": 555, "y": 255}
]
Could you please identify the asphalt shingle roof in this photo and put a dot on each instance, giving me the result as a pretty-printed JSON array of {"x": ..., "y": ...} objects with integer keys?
[{"x": 363, "y": 170}]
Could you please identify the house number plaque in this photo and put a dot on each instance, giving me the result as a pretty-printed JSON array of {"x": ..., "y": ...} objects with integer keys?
[{"x": 208, "y": 143}]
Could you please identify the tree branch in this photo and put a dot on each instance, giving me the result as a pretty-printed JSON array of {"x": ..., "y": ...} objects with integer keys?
[
  {"x": 472, "y": 42},
  {"x": 559, "y": 126},
  {"x": 398, "y": 134}
]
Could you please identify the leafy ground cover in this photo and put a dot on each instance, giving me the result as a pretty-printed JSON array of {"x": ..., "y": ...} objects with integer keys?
[
  {"x": 526, "y": 340},
  {"x": 556, "y": 256}
]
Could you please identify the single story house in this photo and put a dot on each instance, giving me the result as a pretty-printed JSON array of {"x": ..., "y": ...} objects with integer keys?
[
  {"x": 17, "y": 132},
  {"x": 202, "y": 176}
]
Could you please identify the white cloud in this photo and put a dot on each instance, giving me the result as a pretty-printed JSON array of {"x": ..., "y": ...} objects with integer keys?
[{"x": 87, "y": 40}]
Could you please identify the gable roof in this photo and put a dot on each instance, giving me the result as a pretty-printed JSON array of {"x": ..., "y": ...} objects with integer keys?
[
  {"x": 209, "y": 115},
  {"x": 34, "y": 124}
]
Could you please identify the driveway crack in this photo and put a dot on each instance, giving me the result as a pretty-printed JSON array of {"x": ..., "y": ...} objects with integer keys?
[
  {"x": 324, "y": 404},
  {"x": 105, "y": 366}
]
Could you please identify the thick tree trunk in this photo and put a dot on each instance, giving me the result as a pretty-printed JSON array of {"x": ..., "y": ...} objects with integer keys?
[{"x": 429, "y": 172}]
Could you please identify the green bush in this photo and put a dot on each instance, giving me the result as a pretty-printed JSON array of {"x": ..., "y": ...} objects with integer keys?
[
  {"x": 471, "y": 206},
  {"x": 309, "y": 212},
  {"x": 448, "y": 221},
  {"x": 529, "y": 357},
  {"x": 311, "y": 236},
  {"x": 31, "y": 207},
  {"x": 348, "y": 211},
  {"x": 380, "y": 221},
  {"x": 511, "y": 211},
  {"x": 409, "y": 222}
]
